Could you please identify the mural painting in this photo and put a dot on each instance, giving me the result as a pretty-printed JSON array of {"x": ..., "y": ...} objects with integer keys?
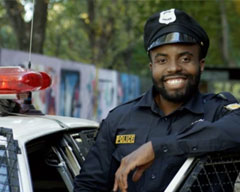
[{"x": 70, "y": 93}]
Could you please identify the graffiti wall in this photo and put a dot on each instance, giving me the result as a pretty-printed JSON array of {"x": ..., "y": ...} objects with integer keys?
[
  {"x": 128, "y": 87},
  {"x": 75, "y": 90},
  {"x": 70, "y": 104}
]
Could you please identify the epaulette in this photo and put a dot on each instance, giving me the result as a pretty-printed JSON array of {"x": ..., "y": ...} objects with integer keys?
[
  {"x": 215, "y": 105},
  {"x": 130, "y": 101},
  {"x": 226, "y": 96}
]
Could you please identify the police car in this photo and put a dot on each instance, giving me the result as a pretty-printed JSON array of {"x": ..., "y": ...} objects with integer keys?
[{"x": 38, "y": 152}]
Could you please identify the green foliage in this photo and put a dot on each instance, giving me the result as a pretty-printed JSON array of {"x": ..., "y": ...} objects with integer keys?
[
  {"x": 234, "y": 30},
  {"x": 112, "y": 31},
  {"x": 7, "y": 37},
  {"x": 64, "y": 37}
]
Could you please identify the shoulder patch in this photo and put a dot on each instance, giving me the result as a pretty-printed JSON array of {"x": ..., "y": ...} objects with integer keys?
[
  {"x": 227, "y": 96},
  {"x": 232, "y": 106},
  {"x": 221, "y": 95}
]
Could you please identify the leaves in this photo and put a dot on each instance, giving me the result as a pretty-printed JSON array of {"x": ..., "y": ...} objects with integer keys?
[{"x": 109, "y": 33}]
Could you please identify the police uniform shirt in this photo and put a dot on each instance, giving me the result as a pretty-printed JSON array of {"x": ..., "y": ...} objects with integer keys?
[{"x": 205, "y": 123}]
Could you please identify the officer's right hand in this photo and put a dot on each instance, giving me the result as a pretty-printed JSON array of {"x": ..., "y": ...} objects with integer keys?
[{"x": 140, "y": 159}]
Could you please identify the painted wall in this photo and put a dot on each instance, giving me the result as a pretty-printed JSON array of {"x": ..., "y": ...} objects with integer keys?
[{"x": 75, "y": 91}]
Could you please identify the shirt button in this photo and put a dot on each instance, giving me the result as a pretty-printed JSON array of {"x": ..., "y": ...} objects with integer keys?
[
  {"x": 194, "y": 148},
  {"x": 165, "y": 149},
  {"x": 153, "y": 176}
]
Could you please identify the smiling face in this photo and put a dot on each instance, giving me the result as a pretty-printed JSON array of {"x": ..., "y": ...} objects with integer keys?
[{"x": 176, "y": 71}]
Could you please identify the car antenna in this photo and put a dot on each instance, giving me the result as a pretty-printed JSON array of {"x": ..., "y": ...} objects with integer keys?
[
  {"x": 31, "y": 38},
  {"x": 29, "y": 98},
  {"x": 27, "y": 104}
]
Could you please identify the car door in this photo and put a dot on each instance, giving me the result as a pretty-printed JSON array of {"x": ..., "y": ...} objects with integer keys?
[
  {"x": 55, "y": 159},
  {"x": 215, "y": 172}
]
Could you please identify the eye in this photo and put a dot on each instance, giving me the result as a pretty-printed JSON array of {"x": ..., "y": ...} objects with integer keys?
[
  {"x": 185, "y": 59},
  {"x": 161, "y": 61}
]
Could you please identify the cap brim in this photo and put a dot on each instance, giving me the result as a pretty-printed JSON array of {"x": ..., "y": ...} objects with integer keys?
[{"x": 170, "y": 38}]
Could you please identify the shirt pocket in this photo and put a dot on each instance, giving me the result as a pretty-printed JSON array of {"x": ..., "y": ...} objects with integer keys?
[{"x": 123, "y": 150}]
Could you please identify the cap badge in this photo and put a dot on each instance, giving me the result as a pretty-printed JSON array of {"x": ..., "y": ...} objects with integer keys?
[{"x": 167, "y": 16}]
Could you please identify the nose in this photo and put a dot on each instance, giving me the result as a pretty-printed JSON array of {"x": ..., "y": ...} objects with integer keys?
[{"x": 174, "y": 67}]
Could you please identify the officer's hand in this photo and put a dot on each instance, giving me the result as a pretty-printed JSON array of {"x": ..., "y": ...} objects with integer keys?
[{"x": 140, "y": 160}]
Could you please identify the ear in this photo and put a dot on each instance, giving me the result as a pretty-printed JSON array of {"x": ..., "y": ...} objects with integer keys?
[
  {"x": 150, "y": 66},
  {"x": 202, "y": 64}
]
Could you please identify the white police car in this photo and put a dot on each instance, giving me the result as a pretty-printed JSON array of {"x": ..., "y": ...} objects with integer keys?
[{"x": 39, "y": 153}]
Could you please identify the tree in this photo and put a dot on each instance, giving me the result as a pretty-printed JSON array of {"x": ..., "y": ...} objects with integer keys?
[
  {"x": 15, "y": 11},
  {"x": 225, "y": 36},
  {"x": 109, "y": 33}
]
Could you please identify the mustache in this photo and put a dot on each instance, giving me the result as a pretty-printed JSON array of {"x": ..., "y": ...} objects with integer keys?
[{"x": 179, "y": 75}]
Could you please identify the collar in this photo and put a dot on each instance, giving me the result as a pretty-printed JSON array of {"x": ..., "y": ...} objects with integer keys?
[
  {"x": 146, "y": 100},
  {"x": 195, "y": 104}
]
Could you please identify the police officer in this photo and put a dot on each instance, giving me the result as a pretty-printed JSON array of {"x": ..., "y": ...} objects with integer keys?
[{"x": 142, "y": 143}]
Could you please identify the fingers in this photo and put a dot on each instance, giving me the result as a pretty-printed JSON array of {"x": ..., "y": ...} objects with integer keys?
[
  {"x": 137, "y": 174},
  {"x": 139, "y": 171},
  {"x": 121, "y": 175},
  {"x": 119, "y": 183},
  {"x": 115, "y": 186},
  {"x": 141, "y": 158}
]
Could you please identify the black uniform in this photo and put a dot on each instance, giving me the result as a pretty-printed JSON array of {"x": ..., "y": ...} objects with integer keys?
[{"x": 205, "y": 123}]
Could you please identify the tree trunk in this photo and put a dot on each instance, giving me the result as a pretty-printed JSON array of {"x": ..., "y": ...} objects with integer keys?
[
  {"x": 91, "y": 30},
  {"x": 39, "y": 26},
  {"x": 225, "y": 36},
  {"x": 99, "y": 33},
  {"x": 22, "y": 29}
]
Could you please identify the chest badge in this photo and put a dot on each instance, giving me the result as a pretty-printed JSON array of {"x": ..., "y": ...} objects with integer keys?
[
  {"x": 125, "y": 139},
  {"x": 233, "y": 106}
]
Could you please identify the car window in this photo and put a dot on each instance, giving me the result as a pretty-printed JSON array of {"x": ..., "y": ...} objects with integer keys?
[{"x": 57, "y": 158}]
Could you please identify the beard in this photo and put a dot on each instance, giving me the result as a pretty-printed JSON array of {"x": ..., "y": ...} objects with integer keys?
[{"x": 178, "y": 96}]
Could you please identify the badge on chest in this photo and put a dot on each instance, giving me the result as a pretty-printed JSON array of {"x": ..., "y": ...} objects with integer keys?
[{"x": 125, "y": 139}]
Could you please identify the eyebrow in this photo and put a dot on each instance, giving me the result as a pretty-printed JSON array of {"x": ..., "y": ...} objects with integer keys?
[
  {"x": 160, "y": 54},
  {"x": 186, "y": 53},
  {"x": 165, "y": 55}
]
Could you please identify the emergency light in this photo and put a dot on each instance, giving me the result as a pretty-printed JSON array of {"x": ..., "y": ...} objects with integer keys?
[{"x": 17, "y": 80}]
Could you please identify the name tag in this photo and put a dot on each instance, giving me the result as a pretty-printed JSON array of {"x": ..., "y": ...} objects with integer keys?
[{"x": 125, "y": 139}]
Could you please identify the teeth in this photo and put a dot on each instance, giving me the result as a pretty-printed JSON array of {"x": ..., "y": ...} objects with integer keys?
[{"x": 174, "y": 81}]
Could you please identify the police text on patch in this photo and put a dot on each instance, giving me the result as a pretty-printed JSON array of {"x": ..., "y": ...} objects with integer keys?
[{"x": 125, "y": 139}]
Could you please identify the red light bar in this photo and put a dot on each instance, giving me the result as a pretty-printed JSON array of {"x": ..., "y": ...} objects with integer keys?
[
  {"x": 15, "y": 80},
  {"x": 47, "y": 81}
]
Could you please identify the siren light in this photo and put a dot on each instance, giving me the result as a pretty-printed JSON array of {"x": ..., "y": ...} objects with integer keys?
[{"x": 17, "y": 80}]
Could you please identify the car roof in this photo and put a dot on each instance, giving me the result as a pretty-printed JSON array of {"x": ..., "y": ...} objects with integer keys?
[{"x": 28, "y": 127}]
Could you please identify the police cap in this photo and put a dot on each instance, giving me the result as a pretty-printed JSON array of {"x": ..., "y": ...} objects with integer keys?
[{"x": 174, "y": 26}]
